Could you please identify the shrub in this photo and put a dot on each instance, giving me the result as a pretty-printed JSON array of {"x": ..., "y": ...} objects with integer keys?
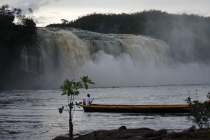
[{"x": 199, "y": 112}]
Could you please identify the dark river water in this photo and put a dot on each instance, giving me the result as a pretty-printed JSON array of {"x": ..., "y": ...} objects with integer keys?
[{"x": 33, "y": 114}]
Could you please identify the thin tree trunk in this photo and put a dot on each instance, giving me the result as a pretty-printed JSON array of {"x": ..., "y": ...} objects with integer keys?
[{"x": 70, "y": 125}]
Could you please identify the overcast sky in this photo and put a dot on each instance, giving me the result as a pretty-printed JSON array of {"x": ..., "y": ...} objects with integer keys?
[{"x": 52, "y": 11}]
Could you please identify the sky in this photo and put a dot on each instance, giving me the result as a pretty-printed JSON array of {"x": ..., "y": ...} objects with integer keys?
[{"x": 52, "y": 11}]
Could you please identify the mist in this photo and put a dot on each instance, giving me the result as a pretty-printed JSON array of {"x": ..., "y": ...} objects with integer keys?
[
  {"x": 111, "y": 60},
  {"x": 108, "y": 71}
]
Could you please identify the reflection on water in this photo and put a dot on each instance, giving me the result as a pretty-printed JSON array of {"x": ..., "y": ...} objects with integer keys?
[{"x": 33, "y": 114}]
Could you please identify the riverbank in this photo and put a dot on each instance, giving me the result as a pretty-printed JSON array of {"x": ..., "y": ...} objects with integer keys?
[{"x": 143, "y": 134}]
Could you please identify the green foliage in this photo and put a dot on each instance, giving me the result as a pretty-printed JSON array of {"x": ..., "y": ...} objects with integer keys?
[
  {"x": 61, "y": 109},
  {"x": 86, "y": 81},
  {"x": 199, "y": 113},
  {"x": 71, "y": 89}
]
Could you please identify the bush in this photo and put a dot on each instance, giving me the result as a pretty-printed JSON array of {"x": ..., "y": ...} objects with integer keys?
[{"x": 199, "y": 112}]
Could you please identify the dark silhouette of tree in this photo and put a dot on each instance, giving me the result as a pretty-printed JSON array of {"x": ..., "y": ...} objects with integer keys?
[
  {"x": 64, "y": 21},
  {"x": 12, "y": 38}
]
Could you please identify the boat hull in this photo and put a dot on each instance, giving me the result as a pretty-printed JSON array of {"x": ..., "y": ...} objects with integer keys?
[{"x": 137, "y": 108}]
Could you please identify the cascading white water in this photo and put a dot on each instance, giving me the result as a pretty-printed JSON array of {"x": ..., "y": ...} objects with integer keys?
[
  {"x": 73, "y": 52},
  {"x": 111, "y": 60}
]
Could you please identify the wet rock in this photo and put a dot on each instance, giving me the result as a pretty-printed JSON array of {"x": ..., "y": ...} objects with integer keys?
[
  {"x": 173, "y": 135},
  {"x": 157, "y": 138},
  {"x": 148, "y": 134},
  {"x": 123, "y": 137},
  {"x": 191, "y": 129},
  {"x": 122, "y": 127},
  {"x": 160, "y": 132},
  {"x": 145, "y": 129},
  {"x": 140, "y": 134},
  {"x": 62, "y": 138}
]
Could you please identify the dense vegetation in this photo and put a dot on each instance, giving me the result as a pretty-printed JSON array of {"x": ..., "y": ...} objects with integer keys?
[
  {"x": 199, "y": 113},
  {"x": 13, "y": 36},
  {"x": 188, "y": 35}
]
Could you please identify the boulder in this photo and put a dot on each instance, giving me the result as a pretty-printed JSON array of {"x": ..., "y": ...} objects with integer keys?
[
  {"x": 148, "y": 134},
  {"x": 191, "y": 129},
  {"x": 62, "y": 138},
  {"x": 122, "y": 127},
  {"x": 160, "y": 132}
]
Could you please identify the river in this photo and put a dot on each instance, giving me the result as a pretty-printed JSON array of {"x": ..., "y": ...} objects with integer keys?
[{"x": 33, "y": 114}]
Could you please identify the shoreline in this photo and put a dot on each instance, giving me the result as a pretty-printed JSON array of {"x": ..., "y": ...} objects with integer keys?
[{"x": 142, "y": 134}]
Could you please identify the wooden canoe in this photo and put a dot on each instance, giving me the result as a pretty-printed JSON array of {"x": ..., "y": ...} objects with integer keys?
[{"x": 176, "y": 108}]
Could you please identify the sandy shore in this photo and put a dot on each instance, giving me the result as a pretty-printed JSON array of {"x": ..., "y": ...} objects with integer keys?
[{"x": 143, "y": 134}]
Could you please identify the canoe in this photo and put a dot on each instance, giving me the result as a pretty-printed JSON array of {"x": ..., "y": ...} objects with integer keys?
[{"x": 176, "y": 108}]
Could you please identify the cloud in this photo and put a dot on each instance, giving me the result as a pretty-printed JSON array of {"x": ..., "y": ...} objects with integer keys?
[
  {"x": 33, "y": 4},
  {"x": 41, "y": 21},
  {"x": 41, "y": 18}
]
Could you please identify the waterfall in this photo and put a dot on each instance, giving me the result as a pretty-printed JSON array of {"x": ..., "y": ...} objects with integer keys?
[{"x": 109, "y": 59}]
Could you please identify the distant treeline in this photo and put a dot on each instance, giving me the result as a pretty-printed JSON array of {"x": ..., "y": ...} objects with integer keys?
[
  {"x": 13, "y": 36},
  {"x": 188, "y": 34}
]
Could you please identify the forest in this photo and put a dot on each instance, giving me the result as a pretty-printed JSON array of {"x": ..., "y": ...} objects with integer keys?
[
  {"x": 177, "y": 30},
  {"x": 13, "y": 36}
]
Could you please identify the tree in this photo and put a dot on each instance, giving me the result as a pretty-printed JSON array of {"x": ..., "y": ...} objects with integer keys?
[
  {"x": 16, "y": 31},
  {"x": 71, "y": 89},
  {"x": 199, "y": 113},
  {"x": 12, "y": 34},
  {"x": 64, "y": 21}
]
